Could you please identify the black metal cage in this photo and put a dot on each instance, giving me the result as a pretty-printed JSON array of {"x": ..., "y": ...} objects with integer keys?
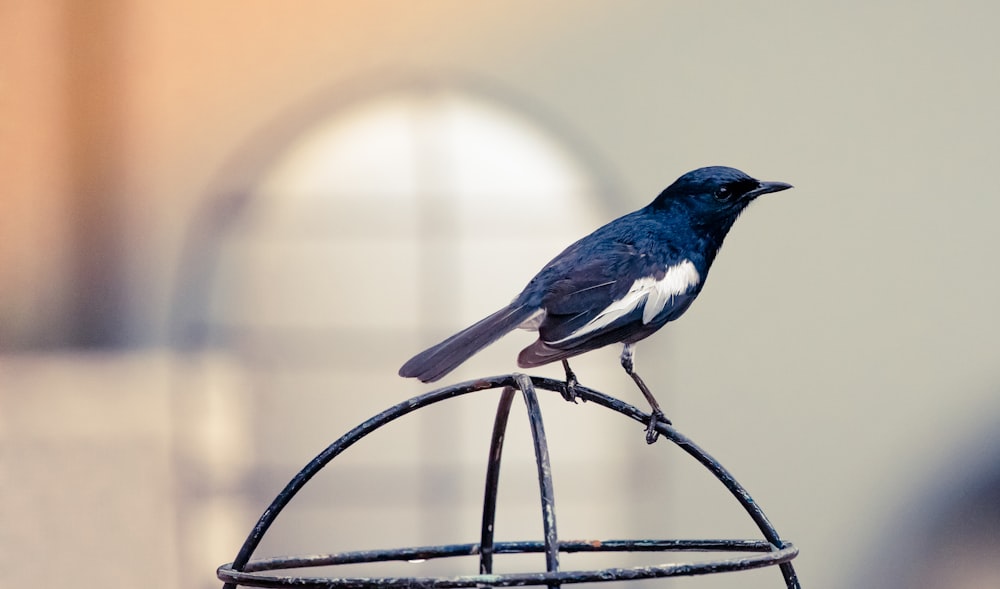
[{"x": 747, "y": 553}]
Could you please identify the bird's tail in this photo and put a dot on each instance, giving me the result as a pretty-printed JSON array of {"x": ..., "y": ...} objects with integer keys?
[{"x": 439, "y": 360}]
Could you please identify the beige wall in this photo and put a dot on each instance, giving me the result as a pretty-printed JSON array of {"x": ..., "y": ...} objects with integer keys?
[{"x": 852, "y": 322}]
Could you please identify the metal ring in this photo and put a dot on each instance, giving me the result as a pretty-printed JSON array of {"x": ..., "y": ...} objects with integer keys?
[{"x": 768, "y": 557}]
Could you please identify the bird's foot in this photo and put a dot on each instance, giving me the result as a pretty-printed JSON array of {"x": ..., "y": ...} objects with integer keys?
[
  {"x": 655, "y": 417},
  {"x": 569, "y": 390}
]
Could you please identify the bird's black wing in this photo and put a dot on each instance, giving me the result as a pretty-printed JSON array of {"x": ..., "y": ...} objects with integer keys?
[
  {"x": 611, "y": 290},
  {"x": 577, "y": 296}
]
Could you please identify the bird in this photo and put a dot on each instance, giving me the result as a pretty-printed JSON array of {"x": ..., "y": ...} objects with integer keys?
[{"x": 619, "y": 284}]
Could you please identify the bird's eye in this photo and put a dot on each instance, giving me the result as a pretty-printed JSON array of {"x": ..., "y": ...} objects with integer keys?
[{"x": 723, "y": 193}]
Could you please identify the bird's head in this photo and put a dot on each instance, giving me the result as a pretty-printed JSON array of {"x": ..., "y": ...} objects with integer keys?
[{"x": 715, "y": 194}]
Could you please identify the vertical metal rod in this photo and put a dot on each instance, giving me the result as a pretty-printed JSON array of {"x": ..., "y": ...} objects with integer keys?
[
  {"x": 544, "y": 474},
  {"x": 493, "y": 481},
  {"x": 788, "y": 573}
]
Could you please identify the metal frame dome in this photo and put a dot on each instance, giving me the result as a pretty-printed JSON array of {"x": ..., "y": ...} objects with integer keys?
[{"x": 748, "y": 553}]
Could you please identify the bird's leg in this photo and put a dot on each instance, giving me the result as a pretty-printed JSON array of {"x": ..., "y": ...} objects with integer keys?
[
  {"x": 656, "y": 413},
  {"x": 569, "y": 393}
]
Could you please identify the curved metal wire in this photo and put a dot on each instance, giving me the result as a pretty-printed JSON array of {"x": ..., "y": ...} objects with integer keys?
[
  {"x": 774, "y": 551},
  {"x": 486, "y": 548},
  {"x": 487, "y": 529}
]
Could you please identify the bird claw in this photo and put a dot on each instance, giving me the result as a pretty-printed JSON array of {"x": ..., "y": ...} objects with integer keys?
[
  {"x": 655, "y": 417},
  {"x": 569, "y": 389}
]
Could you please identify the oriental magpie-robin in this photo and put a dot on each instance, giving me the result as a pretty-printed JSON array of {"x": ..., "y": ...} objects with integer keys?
[{"x": 619, "y": 284}]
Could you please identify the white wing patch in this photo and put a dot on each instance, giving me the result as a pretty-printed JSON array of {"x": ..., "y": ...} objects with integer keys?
[
  {"x": 678, "y": 280},
  {"x": 654, "y": 295},
  {"x": 532, "y": 323}
]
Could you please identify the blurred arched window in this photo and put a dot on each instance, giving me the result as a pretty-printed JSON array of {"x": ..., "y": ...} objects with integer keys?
[
  {"x": 399, "y": 214},
  {"x": 381, "y": 228}
]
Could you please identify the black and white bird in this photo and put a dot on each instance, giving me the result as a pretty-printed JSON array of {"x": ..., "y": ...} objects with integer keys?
[{"x": 619, "y": 284}]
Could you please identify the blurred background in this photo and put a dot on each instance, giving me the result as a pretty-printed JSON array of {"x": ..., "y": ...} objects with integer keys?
[{"x": 225, "y": 225}]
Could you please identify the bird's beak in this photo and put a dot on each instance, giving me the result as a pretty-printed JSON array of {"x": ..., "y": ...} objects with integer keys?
[{"x": 766, "y": 188}]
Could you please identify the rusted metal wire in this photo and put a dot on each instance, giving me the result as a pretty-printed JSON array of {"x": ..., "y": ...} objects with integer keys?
[{"x": 772, "y": 551}]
